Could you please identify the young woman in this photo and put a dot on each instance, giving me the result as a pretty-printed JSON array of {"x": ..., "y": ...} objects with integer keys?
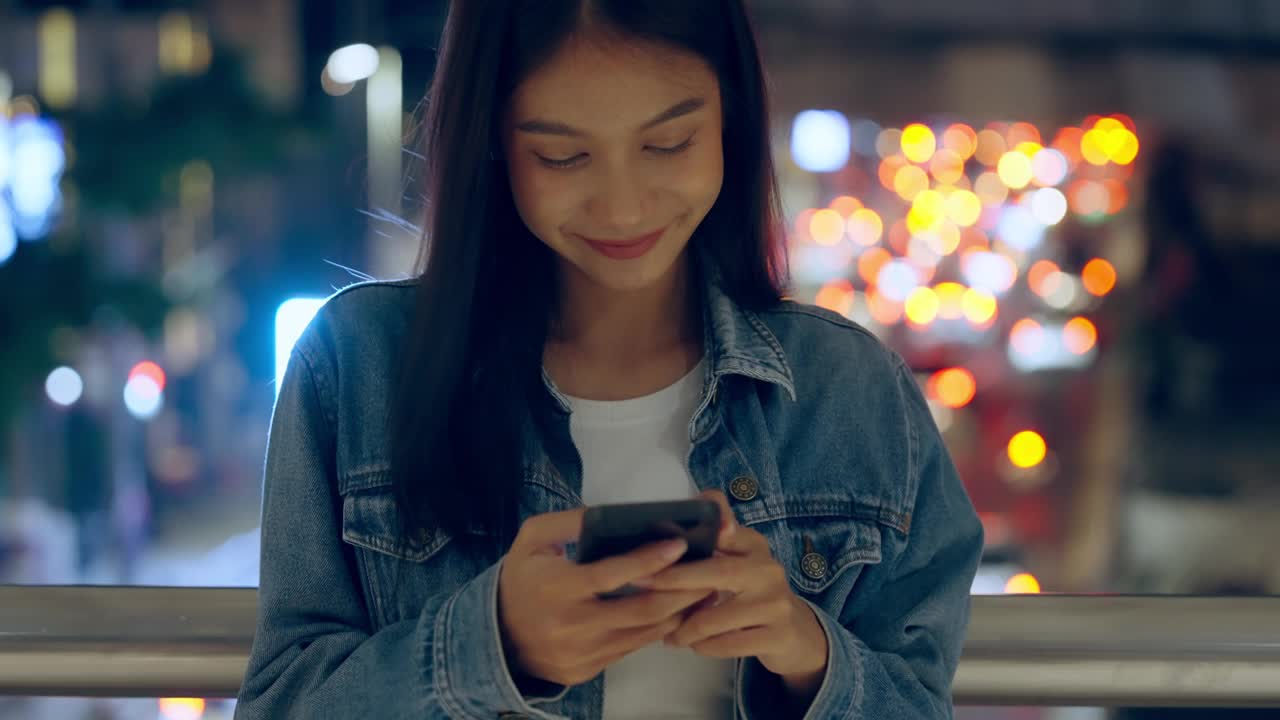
[{"x": 600, "y": 320}]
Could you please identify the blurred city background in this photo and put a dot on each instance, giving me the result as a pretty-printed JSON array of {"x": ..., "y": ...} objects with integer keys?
[{"x": 1065, "y": 216}]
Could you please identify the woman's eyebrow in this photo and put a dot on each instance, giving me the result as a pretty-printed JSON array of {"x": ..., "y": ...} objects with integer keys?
[{"x": 551, "y": 127}]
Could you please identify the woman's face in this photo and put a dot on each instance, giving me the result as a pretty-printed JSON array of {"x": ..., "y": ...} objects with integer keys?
[{"x": 615, "y": 156}]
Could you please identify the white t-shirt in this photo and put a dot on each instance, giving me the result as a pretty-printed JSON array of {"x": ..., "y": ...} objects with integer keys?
[{"x": 636, "y": 451}]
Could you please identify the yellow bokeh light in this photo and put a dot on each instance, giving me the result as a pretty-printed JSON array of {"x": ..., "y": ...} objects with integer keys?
[
  {"x": 947, "y": 167},
  {"x": 944, "y": 240},
  {"x": 928, "y": 210},
  {"x": 182, "y": 708},
  {"x": 826, "y": 227},
  {"x": 979, "y": 306},
  {"x": 960, "y": 139},
  {"x": 921, "y": 306},
  {"x": 836, "y": 296},
  {"x": 964, "y": 208},
  {"x": 1107, "y": 124},
  {"x": 990, "y": 189},
  {"x": 1022, "y": 584},
  {"x": 910, "y": 181},
  {"x": 865, "y": 227},
  {"x": 918, "y": 143},
  {"x": 1093, "y": 146},
  {"x": 953, "y": 387},
  {"x": 888, "y": 170},
  {"x": 1099, "y": 277},
  {"x": 1027, "y": 449},
  {"x": 950, "y": 300},
  {"x": 1079, "y": 335},
  {"x": 1030, "y": 149},
  {"x": 1015, "y": 170},
  {"x": 1125, "y": 150},
  {"x": 845, "y": 205}
]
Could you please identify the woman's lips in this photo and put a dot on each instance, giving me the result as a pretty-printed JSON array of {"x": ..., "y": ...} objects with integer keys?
[{"x": 625, "y": 249}]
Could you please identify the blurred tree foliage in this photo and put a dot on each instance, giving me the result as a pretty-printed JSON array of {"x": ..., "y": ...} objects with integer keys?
[{"x": 126, "y": 157}]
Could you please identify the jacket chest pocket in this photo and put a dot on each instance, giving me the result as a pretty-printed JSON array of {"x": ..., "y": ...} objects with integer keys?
[
  {"x": 399, "y": 573},
  {"x": 824, "y": 546}
]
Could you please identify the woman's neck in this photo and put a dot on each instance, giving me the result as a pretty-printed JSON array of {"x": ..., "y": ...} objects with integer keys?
[{"x": 610, "y": 345}]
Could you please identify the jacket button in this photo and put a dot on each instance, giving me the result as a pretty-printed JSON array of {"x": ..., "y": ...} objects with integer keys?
[
  {"x": 744, "y": 488},
  {"x": 814, "y": 565}
]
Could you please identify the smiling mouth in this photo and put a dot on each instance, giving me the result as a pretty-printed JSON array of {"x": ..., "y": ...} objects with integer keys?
[{"x": 625, "y": 249}]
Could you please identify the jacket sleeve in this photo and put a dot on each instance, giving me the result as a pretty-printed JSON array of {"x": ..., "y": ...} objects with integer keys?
[
  {"x": 894, "y": 656},
  {"x": 314, "y": 653}
]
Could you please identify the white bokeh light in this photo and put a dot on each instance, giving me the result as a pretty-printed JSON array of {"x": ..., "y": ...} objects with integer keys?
[
  {"x": 292, "y": 318},
  {"x": 143, "y": 397},
  {"x": 353, "y": 63},
  {"x": 64, "y": 386},
  {"x": 820, "y": 140}
]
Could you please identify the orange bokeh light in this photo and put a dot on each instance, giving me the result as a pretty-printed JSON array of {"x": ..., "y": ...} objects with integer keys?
[
  {"x": 1079, "y": 335},
  {"x": 1099, "y": 277},
  {"x": 953, "y": 387},
  {"x": 836, "y": 296},
  {"x": 1041, "y": 277},
  {"x": 845, "y": 205},
  {"x": 870, "y": 263}
]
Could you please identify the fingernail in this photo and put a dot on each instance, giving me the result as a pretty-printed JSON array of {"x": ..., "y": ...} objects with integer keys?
[{"x": 674, "y": 549}]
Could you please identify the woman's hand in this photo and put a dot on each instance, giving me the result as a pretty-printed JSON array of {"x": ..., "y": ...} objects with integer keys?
[
  {"x": 760, "y": 617},
  {"x": 553, "y": 626}
]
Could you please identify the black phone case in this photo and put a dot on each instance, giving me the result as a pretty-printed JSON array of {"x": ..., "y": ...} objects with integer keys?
[{"x": 609, "y": 530}]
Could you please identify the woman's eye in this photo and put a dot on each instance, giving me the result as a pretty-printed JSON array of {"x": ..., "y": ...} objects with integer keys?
[
  {"x": 561, "y": 163},
  {"x": 674, "y": 149}
]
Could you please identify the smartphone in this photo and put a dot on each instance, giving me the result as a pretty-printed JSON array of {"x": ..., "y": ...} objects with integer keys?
[{"x": 609, "y": 530}]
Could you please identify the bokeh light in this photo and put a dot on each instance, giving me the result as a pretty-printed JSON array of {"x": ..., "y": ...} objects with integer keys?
[
  {"x": 871, "y": 262},
  {"x": 887, "y": 171},
  {"x": 151, "y": 371},
  {"x": 820, "y": 140},
  {"x": 1042, "y": 276},
  {"x": 1015, "y": 170},
  {"x": 918, "y": 143},
  {"x": 352, "y": 63},
  {"x": 897, "y": 279},
  {"x": 989, "y": 271},
  {"x": 826, "y": 227},
  {"x": 883, "y": 310},
  {"x": 990, "y": 147},
  {"x": 1020, "y": 229},
  {"x": 953, "y": 387},
  {"x": 1079, "y": 335},
  {"x": 960, "y": 139},
  {"x": 64, "y": 386},
  {"x": 1027, "y": 449},
  {"x": 845, "y": 205},
  {"x": 921, "y": 306},
  {"x": 1099, "y": 277},
  {"x": 1049, "y": 167},
  {"x": 963, "y": 208},
  {"x": 143, "y": 397},
  {"x": 910, "y": 181},
  {"x": 836, "y": 296},
  {"x": 990, "y": 189},
  {"x": 947, "y": 167},
  {"x": 889, "y": 143},
  {"x": 1027, "y": 337},
  {"x": 950, "y": 300},
  {"x": 181, "y": 708},
  {"x": 865, "y": 227},
  {"x": 1049, "y": 206},
  {"x": 1022, "y": 584},
  {"x": 979, "y": 307}
]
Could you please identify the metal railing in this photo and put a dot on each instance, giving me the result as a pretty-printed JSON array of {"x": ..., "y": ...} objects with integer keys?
[{"x": 1021, "y": 650}]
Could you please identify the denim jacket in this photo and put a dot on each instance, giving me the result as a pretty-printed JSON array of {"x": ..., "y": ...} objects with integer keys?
[{"x": 816, "y": 432}]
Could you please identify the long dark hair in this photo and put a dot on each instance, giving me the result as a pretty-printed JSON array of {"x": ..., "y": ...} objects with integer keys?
[{"x": 472, "y": 363}]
